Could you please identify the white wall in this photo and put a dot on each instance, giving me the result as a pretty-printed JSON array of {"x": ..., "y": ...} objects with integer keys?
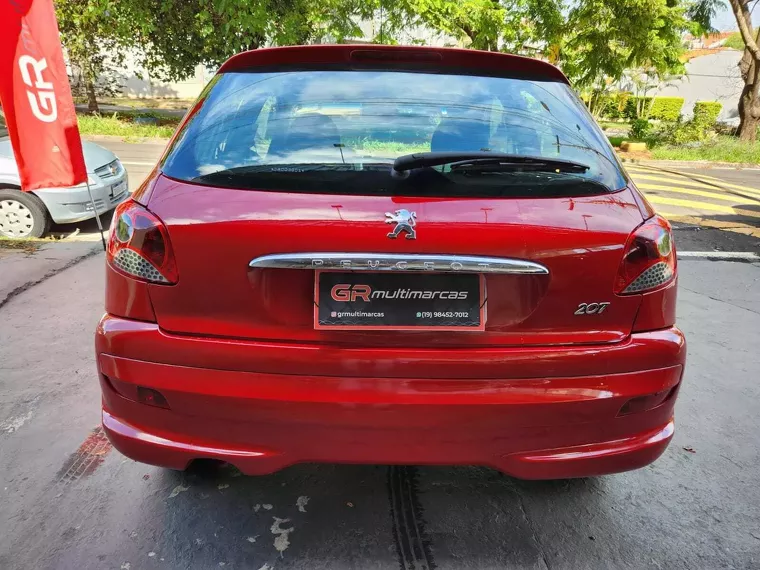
[{"x": 713, "y": 77}]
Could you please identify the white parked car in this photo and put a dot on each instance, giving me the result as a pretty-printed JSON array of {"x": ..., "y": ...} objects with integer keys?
[{"x": 29, "y": 214}]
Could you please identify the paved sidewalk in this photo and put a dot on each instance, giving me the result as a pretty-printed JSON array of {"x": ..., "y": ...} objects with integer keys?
[{"x": 20, "y": 270}]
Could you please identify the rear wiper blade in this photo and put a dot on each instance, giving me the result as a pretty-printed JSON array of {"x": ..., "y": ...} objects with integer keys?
[{"x": 486, "y": 161}]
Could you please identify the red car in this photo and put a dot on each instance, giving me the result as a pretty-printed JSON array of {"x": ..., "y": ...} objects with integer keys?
[{"x": 373, "y": 254}]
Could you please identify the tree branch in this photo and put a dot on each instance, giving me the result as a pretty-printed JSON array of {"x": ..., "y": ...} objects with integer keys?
[{"x": 745, "y": 27}]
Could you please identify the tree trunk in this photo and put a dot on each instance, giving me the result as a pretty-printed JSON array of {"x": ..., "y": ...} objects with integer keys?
[
  {"x": 749, "y": 105},
  {"x": 87, "y": 77},
  {"x": 92, "y": 100}
]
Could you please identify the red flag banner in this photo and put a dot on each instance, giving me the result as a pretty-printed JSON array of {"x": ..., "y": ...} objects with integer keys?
[{"x": 36, "y": 98}]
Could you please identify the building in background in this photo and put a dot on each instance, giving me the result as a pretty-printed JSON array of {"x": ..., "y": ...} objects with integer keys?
[{"x": 712, "y": 74}]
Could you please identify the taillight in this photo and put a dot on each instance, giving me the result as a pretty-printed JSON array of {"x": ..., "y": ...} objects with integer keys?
[
  {"x": 649, "y": 261},
  {"x": 139, "y": 245}
]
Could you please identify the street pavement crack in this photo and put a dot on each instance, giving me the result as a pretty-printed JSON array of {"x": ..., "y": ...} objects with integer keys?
[
  {"x": 719, "y": 300},
  {"x": 26, "y": 286},
  {"x": 533, "y": 533}
]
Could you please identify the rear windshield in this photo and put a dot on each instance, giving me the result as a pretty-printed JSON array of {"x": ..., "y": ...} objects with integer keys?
[{"x": 339, "y": 132}]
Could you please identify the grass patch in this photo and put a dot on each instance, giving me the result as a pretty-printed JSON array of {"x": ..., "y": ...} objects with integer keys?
[
  {"x": 615, "y": 125},
  {"x": 721, "y": 149},
  {"x": 615, "y": 140},
  {"x": 27, "y": 245},
  {"x": 385, "y": 148},
  {"x": 141, "y": 103},
  {"x": 123, "y": 125}
]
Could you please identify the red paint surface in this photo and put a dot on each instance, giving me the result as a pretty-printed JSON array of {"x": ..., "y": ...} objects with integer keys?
[
  {"x": 250, "y": 380},
  {"x": 262, "y": 421},
  {"x": 427, "y": 57},
  {"x": 216, "y": 232}
]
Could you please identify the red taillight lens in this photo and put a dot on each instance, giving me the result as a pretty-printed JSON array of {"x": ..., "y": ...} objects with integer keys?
[
  {"x": 139, "y": 245},
  {"x": 649, "y": 261}
]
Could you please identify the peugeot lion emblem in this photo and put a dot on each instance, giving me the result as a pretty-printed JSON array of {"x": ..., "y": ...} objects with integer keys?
[{"x": 405, "y": 222}]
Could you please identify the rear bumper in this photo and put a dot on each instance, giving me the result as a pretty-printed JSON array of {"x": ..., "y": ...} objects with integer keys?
[{"x": 530, "y": 427}]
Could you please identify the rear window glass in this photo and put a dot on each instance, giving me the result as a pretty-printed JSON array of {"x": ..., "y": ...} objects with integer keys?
[{"x": 340, "y": 131}]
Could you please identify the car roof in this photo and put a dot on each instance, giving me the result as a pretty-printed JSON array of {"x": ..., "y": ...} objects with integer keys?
[{"x": 346, "y": 56}]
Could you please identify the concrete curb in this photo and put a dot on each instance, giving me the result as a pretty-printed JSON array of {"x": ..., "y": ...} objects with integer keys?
[
  {"x": 741, "y": 256},
  {"x": 691, "y": 164},
  {"x": 20, "y": 272},
  {"x": 129, "y": 140}
]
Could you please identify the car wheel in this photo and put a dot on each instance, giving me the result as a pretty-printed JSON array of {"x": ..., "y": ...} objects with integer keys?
[{"x": 22, "y": 215}]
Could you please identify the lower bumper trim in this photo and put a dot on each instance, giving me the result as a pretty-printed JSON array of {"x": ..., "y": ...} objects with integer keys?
[
  {"x": 593, "y": 459},
  {"x": 579, "y": 461}
]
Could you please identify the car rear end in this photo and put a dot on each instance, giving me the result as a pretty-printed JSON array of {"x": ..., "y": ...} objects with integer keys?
[{"x": 278, "y": 293}]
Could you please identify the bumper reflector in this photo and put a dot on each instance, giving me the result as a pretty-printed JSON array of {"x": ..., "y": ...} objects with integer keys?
[
  {"x": 646, "y": 403},
  {"x": 151, "y": 397}
]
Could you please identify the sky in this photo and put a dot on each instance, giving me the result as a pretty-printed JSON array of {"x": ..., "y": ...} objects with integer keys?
[{"x": 725, "y": 21}]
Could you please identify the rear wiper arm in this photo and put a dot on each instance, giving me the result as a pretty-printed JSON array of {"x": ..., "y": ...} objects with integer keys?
[{"x": 485, "y": 161}]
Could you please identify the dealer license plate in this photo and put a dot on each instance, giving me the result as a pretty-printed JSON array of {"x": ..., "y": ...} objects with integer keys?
[{"x": 401, "y": 301}]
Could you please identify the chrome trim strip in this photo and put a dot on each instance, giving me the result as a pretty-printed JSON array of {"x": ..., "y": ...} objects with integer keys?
[{"x": 399, "y": 262}]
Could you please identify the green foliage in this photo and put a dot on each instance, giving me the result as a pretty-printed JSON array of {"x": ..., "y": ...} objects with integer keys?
[
  {"x": 630, "y": 107},
  {"x": 604, "y": 38},
  {"x": 701, "y": 14},
  {"x": 172, "y": 37},
  {"x": 616, "y": 140},
  {"x": 594, "y": 41},
  {"x": 93, "y": 32},
  {"x": 678, "y": 133},
  {"x": 706, "y": 112},
  {"x": 637, "y": 107},
  {"x": 640, "y": 129},
  {"x": 509, "y": 25},
  {"x": 626, "y": 106},
  {"x": 177, "y": 35},
  {"x": 613, "y": 106},
  {"x": 700, "y": 128},
  {"x": 118, "y": 125},
  {"x": 666, "y": 108},
  {"x": 735, "y": 41},
  {"x": 719, "y": 149}
]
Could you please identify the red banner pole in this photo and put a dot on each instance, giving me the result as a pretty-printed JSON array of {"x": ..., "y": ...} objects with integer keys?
[{"x": 97, "y": 216}]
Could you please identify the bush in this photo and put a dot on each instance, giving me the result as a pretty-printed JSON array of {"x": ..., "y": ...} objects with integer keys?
[
  {"x": 615, "y": 105},
  {"x": 679, "y": 133},
  {"x": 667, "y": 108},
  {"x": 706, "y": 112},
  {"x": 632, "y": 105},
  {"x": 735, "y": 41},
  {"x": 624, "y": 105},
  {"x": 661, "y": 108},
  {"x": 640, "y": 129},
  {"x": 610, "y": 107}
]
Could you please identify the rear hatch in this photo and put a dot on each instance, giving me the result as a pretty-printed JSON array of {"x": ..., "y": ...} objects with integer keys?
[
  {"x": 216, "y": 233},
  {"x": 299, "y": 162}
]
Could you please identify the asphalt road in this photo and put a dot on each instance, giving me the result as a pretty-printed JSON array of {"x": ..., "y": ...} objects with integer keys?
[{"x": 69, "y": 501}]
